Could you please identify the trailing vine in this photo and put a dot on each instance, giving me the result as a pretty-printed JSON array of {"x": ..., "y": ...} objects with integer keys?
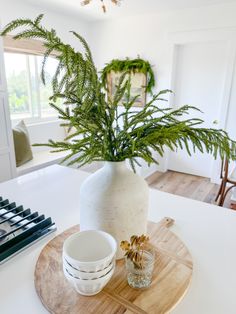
[{"x": 130, "y": 66}]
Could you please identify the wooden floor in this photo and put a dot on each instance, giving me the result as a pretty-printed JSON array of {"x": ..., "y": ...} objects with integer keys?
[{"x": 190, "y": 186}]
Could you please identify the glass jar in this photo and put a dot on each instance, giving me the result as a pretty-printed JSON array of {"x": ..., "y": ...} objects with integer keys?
[{"x": 141, "y": 277}]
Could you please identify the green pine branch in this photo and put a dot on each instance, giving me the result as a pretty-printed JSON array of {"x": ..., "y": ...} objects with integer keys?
[
  {"x": 100, "y": 131},
  {"x": 130, "y": 66}
]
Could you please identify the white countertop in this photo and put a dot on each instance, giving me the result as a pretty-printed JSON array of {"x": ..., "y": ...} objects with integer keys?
[{"x": 208, "y": 231}]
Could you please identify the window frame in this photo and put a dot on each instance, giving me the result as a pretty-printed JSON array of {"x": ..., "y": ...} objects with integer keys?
[{"x": 35, "y": 48}]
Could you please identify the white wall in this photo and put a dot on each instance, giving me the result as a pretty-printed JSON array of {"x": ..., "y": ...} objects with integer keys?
[
  {"x": 12, "y": 9},
  {"x": 150, "y": 37}
]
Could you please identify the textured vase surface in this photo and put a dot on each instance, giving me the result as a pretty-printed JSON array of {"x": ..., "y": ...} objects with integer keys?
[{"x": 115, "y": 200}]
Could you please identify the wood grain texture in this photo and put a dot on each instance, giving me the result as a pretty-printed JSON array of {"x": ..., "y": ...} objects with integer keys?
[
  {"x": 28, "y": 46},
  {"x": 178, "y": 183},
  {"x": 187, "y": 185},
  {"x": 233, "y": 206},
  {"x": 172, "y": 276}
]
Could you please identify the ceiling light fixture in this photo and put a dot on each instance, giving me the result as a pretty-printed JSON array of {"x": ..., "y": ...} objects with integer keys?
[{"x": 115, "y": 2}]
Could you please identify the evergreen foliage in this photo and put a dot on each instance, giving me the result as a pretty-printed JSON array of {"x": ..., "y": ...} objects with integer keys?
[
  {"x": 101, "y": 131},
  {"x": 130, "y": 66}
]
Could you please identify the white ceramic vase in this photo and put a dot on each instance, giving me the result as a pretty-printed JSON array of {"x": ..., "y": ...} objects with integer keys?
[{"x": 115, "y": 200}]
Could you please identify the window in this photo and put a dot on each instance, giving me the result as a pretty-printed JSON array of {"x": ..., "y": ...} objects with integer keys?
[{"x": 28, "y": 97}]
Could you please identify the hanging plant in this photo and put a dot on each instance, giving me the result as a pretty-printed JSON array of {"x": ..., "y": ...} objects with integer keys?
[
  {"x": 102, "y": 133},
  {"x": 132, "y": 66}
]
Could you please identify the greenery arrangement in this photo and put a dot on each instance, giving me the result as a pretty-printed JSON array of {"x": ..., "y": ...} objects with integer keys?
[
  {"x": 134, "y": 250},
  {"x": 101, "y": 131},
  {"x": 130, "y": 66}
]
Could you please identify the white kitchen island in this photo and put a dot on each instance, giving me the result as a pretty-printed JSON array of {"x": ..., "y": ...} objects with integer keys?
[{"x": 208, "y": 231}]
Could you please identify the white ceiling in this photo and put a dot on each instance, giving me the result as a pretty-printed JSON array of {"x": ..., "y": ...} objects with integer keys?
[{"x": 128, "y": 7}]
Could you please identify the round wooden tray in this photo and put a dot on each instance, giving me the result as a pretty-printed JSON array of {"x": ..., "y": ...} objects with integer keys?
[{"x": 172, "y": 276}]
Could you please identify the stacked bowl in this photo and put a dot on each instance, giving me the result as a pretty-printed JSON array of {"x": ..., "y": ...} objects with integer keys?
[{"x": 89, "y": 260}]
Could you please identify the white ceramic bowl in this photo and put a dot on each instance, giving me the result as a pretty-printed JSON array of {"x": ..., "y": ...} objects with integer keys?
[
  {"x": 87, "y": 276},
  {"x": 89, "y": 251},
  {"x": 88, "y": 287}
]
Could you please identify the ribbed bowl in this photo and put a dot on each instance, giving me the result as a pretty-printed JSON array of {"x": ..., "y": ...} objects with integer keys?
[
  {"x": 90, "y": 251},
  {"x": 88, "y": 287},
  {"x": 85, "y": 275}
]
